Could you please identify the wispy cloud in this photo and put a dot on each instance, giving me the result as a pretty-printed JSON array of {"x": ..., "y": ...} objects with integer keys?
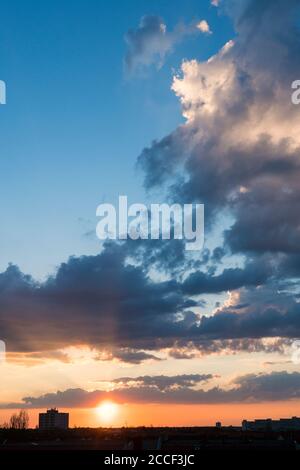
[{"x": 151, "y": 42}]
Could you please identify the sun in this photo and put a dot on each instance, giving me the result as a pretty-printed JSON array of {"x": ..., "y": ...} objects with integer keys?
[{"x": 107, "y": 411}]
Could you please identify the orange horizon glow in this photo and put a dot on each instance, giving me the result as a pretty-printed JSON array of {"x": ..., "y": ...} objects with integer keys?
[{"x": 168, "y": 415}]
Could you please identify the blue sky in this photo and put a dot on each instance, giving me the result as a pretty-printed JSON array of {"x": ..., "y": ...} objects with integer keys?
[{"x": 74, "y": 123}]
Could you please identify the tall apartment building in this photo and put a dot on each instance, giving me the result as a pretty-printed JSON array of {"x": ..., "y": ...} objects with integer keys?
[{"x": 52, "y": 419}]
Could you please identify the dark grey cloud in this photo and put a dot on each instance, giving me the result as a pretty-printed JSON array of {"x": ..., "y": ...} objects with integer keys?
[
  {"x": 251, "y": 388},
  {"x": 274, "y": 386},
  {"x": 113, "y": 306},
  {"x": 96, "y": 300},
  {"x": 256, "y": 313},
  {"x": 253, "y": 274},
  {"x": 129, "y": 355},
  {"x": 164, "y": 382},
  {"x": 274, "y": 210},
  {"x": 202, "y": 347},
  {"x": 161, "y": 160}
]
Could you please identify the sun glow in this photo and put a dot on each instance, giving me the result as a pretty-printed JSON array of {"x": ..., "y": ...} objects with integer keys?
[{"x": 107, "y": 411}]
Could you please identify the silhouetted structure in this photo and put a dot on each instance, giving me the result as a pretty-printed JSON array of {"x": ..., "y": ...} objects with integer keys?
[
  {"x": 53, "y": 420},
  {"x": 282, "y": 424},
  {"x": 166, "y": 440}
]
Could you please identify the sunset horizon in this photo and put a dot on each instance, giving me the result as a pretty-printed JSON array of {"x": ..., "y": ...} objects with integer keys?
[{"x": 134, "y": 416}]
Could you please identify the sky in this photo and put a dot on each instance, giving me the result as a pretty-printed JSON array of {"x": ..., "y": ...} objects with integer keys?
[{"x": 162, "y": 101}]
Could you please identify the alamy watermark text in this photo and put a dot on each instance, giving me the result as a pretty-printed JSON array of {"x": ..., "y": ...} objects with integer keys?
[{"x": 160, "y": 221}]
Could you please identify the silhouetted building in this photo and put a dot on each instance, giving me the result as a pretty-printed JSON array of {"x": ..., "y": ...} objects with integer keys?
[
  {"x": 269, "y": 424},
  {"x": 53, "y": 420},
  {"x": 218, "y": 424}
]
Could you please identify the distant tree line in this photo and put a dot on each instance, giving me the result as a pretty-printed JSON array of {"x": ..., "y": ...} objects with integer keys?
[{"x": 17, "y": 421}]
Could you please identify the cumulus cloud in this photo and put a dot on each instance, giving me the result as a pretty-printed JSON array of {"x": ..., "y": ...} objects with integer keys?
[
  {"x": 240, "y": 150},
  {"x": 251, "y": 388},
  {"x": 239, "y": 153}
]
